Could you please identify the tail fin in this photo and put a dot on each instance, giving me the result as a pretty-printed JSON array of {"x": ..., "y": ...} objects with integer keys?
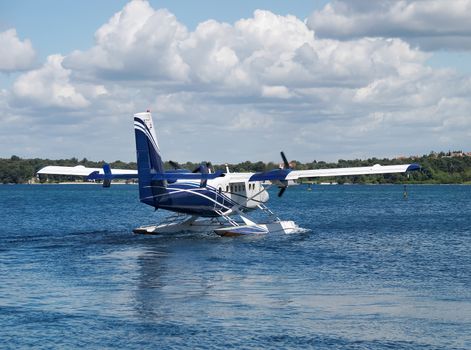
[{"x": 149, "y": 160}]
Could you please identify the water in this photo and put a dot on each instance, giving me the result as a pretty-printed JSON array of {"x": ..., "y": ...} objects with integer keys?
[{"x": 374, "y": 271}]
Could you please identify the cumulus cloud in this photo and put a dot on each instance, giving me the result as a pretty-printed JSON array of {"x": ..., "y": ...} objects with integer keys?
[
  {"x": 265, "y": 55},
  {"x": 136, "y": 43},
  {"x": 431, "y": 24},
  {"x": 267, "y": 82},
  {"x": 16, "y": 55},
  {"x": 49, "y": 86}
]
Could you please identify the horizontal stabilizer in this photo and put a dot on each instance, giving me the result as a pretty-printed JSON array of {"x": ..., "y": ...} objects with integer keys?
[
  {"x": 112, "y": 176},
  {"x": 174, "y": 176}
]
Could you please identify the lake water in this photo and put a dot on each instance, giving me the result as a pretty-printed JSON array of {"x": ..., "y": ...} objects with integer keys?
[{"x": 374, "y": 271}]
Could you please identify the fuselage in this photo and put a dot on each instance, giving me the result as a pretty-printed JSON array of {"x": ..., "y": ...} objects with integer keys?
[{"x": 233, "y": 191}]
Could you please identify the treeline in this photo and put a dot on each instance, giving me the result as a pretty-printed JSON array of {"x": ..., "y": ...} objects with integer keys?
[
  {"x": 16, "y": 170},
  {"x": 436, "y": 168}
]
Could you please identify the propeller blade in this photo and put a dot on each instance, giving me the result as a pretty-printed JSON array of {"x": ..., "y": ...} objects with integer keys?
[
  {"x": 285, "y": 161},
  {"x": 285, "y": 166},
  {"x": 209, "y": 166},
  {"x": 202, "y": 168},
  {"x": 174, "y": 165},
  {"x": 282, "y": 190}
]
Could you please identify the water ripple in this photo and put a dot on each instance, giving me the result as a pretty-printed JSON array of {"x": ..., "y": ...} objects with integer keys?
[{"x": 372, "y": 271}]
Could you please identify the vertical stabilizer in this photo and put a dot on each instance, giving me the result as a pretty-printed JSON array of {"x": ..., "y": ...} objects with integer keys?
[{"x": 149, "y": 160}]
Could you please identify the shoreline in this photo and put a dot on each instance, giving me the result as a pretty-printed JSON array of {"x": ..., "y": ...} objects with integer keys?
[
  {"x": 69, "y": 183},
  {"x": 312, "y": 184}
]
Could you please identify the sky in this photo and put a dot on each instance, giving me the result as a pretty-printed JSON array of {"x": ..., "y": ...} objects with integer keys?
[{"x": 235, "y": 81}]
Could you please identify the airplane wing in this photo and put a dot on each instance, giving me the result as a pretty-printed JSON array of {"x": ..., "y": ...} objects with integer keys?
[
  {"x": 91, "y": 173},
  {"x": 273, "y": 175},
  {"x": 289, "y": 174},
  {"x": 368, "y": 170},
  {"x": 106, "y": 173}
]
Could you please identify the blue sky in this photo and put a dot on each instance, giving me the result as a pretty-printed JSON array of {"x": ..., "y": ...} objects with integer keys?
[{"x": 320, "y": 79}]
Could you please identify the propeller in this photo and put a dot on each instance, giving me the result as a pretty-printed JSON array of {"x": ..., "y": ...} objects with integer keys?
[
  {"x": 203, "y": 169},
  {"x": 282, "y": 190},
  {"x": 209, "y": 166},
  {"x": 283, "y": 184},
  {"x": 174, "y": 165},
  {"x": 285, "y": 161}
]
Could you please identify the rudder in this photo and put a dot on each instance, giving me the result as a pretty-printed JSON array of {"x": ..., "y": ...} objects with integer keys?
[{"x": 149, "y": 160}]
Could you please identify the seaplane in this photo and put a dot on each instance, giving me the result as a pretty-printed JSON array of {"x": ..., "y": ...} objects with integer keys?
[{"x": 203, "y": 200}]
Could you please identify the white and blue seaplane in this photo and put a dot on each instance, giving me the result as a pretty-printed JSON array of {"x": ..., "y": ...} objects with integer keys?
[{"x": 203, "y": 200}]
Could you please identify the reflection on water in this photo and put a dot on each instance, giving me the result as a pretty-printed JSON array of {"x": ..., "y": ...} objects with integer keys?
[{"x": 357, "y": 280}]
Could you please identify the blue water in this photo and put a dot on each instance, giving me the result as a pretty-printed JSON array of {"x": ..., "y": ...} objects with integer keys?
[{"x": 374, "y": 271}]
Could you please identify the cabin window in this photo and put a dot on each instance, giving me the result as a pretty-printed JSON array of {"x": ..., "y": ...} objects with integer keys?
[{"x": 227, "y": 188}]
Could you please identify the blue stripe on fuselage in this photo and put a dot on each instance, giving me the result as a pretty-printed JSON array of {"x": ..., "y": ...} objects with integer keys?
[{"x": 191, "y": 199}]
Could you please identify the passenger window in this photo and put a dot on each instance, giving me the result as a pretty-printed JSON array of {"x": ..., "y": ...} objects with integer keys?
[{"x": 227, "y": 188}]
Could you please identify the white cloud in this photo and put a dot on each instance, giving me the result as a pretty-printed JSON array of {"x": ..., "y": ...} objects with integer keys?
[
  {"x": 431, "y": 24},
  {"x": 278, "y": 91},
  {"x": 265, "y": 83},
  {"x": 250, "y": 121},
  {"x": 16, "y": 55},
  {"x": 50, "y": 86},
  {"x": 136, "y": 43}
]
